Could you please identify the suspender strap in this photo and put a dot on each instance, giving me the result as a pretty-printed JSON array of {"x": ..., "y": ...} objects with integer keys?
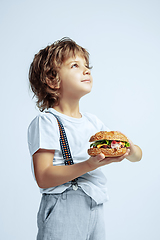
[{"x": 64, "y": 145}]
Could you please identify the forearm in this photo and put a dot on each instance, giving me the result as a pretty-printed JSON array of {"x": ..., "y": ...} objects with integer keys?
[
  {"x": 47, "y": 175},
  {"x": 135, "y": 154},
  {"x": 57, "y": 175}
]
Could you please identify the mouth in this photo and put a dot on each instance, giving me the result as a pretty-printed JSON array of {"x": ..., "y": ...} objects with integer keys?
[{"x": 86, "y": 80}]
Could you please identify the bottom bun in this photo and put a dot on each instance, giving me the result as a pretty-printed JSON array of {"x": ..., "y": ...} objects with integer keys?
[{"x": 108, "y": 152}]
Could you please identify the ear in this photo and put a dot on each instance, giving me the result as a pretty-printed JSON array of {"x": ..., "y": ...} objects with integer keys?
[{"x": 52, "y": 84}]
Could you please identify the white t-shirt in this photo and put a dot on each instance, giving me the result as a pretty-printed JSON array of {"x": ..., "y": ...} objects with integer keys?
[{"x": 43, "y": 132}]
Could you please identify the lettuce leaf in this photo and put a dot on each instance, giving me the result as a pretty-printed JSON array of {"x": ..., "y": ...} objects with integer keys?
[
  {"x": 108, "y": 142},
  {"x": 127, "y": 144}
]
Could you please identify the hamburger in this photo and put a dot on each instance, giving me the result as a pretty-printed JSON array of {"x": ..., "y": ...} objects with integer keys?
[{"x": 111, "y": 144}]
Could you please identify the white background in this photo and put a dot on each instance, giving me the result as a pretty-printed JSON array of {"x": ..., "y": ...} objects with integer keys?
[{"x": 123, "y": 40}]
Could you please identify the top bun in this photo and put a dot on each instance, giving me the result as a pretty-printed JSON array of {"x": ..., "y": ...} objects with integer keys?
[{"x": 112, "y": 135}]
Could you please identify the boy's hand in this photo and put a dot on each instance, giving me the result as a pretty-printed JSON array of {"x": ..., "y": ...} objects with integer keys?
[
  {"x": 135, "y": 153},
  {"x": 100, "y": 160}
]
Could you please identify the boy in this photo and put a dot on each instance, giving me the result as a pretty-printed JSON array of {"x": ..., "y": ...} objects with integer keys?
[{"x": 59, "y": 76}]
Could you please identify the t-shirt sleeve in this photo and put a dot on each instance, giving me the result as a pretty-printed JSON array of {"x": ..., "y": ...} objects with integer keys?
[{"x": 43, "y": 132}]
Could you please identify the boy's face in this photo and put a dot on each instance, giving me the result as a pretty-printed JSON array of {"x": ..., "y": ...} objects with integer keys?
[{"x": 75, "y": 76}]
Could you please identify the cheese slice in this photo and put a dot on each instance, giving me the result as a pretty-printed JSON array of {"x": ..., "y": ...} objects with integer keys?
[{"x": 100, "y": 145}]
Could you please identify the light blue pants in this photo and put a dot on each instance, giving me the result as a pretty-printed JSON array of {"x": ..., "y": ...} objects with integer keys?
[{"x": 71, "y": 215}]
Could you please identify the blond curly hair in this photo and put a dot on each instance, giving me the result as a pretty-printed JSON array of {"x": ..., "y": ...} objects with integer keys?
[{"x": 44, "y": 69}]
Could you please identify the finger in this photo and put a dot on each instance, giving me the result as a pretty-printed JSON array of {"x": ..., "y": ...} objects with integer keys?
[
  {"x": 118, "y": 159},
  {"x": 127, "y": 152},
  {"x": 100, "y": 157},
  {"x": 108, "y": 160}
]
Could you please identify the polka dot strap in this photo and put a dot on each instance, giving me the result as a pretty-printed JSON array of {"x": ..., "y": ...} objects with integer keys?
[
  {"x": 64, "y": 143},
  {"x": 65, "y": 149}
]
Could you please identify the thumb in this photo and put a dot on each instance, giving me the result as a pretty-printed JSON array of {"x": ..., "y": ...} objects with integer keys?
[{"x": 100, "y": 157}]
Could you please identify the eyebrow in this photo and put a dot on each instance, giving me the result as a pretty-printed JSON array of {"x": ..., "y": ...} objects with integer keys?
[
  {"x": 72, "y": 61},
  {"x": 76, "y": 61}
]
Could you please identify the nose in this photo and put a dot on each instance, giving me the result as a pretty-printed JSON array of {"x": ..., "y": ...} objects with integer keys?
[{"x": 87, "y": 71}]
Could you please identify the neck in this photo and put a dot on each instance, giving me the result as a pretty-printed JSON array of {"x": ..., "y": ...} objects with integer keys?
[{"x": 70, "y": 108}]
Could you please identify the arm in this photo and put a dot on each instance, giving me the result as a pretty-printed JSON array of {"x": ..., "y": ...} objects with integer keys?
[{"x": 48, "y": 175}]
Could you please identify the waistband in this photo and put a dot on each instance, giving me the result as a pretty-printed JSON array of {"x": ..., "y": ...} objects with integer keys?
[{"x": 69, "y": 191}]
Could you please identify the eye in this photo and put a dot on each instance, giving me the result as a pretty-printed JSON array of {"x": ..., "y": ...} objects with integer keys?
[{"x": 75, "y": 65}]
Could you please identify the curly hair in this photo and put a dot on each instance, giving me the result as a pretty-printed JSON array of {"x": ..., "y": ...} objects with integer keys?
[{"x": 45, "y": 67}]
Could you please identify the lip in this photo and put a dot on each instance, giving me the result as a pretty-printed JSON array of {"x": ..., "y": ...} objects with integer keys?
[{"x": 86, "y": 80}]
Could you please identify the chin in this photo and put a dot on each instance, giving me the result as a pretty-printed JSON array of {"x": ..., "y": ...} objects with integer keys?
[{"x": 86, "y": 92}]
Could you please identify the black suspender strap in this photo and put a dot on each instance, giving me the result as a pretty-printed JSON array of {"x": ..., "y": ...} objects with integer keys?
[{"x": 65, "y": 148}]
